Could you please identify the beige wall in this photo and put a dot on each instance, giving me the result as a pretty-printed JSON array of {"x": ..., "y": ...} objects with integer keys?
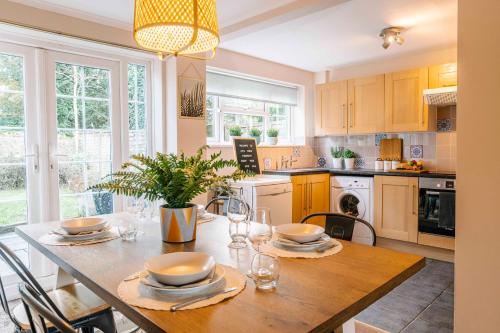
[
  {"x": 477, "y": 270},
  {"x": 390, "y": 64},
  {"x": 33, "y": 17}
]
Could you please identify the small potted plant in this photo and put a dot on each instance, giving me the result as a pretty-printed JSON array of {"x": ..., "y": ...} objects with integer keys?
[
  {"x": 336, "y": 157},
  {"x": 175, "y": 179},
  {"x": 272, "y": 136},
  {"x": 256, "y": 134},
  {"x": 349, "y": 157},
  {"x": 234, "y": 132}
]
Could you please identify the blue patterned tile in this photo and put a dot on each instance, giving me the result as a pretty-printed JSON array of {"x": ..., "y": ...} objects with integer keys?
[
  {"x": 296, "y": 152},
  {"x": 359, "y": 163},
  {"x": 416, "y": 151},
  {"x": 321, "y": 162},
  {"x": 444, "y": 125},
  {"x": 379, "y": 137}
]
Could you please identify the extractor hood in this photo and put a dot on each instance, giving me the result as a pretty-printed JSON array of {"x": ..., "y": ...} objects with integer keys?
[{"x": 441, "y": 96}]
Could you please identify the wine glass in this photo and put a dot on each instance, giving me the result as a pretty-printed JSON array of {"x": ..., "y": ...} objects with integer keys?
[
  {"x": 237, "y": 213},
  {"x": 261, "y": 231},
  {"x": 265, "y": 271}
]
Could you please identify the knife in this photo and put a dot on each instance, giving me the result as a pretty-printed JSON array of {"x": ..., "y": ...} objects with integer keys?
[{"x": 177, "y": 306}]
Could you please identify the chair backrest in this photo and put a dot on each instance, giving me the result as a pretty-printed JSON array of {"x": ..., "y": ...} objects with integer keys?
[
  {"x": 39, "y": 312},
  {"x": 341, "y": 226},
  {"x": 5, "y": 305},
  {"x": 225, "y": 202},
  {"x": 25, "y": 275}
]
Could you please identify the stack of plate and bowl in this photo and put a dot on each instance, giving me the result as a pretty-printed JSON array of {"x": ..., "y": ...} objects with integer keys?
[
  {"x": 183, "y": 274},
  {"x": 83, "y": 229},
  {"x": 302, "y": 237}
]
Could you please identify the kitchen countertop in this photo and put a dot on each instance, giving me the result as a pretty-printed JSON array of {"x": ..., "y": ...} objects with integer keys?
[{"x": 356, "y": 172}]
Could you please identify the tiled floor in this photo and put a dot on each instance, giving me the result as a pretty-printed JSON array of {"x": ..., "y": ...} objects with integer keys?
[{"x": 423, "y": 303}]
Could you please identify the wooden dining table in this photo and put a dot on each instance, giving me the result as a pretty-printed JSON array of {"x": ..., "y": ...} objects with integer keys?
[{"x": 313, "y": 295}]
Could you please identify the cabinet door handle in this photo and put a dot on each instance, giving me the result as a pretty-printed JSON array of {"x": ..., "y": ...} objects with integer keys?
[
  {"x": 342, "y": 120},
  {"x": 305, "y": 198},
  {"x": 413, "y": 200},
  {"x": 351, "y": 115},
  {"x": 310, "y": 196}
]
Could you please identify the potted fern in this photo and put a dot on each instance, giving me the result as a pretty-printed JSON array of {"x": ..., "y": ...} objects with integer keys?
[
  {"x": 255, "y": 133},
  {"x": 234, "y": 132},
  {"x": 336, "y": 157},
  {"x": 349, "y": 157},
  {"x": 175, "y": 179},
  {"x": 272, "y": 136}
]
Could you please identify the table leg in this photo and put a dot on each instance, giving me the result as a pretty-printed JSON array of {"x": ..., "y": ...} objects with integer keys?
[{"x": 63, "y": 279}]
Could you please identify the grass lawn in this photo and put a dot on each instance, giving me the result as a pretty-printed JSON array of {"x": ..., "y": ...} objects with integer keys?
[{"x": 14, "y": 211}]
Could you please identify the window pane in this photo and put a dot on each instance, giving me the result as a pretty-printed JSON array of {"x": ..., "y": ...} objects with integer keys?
[
  {"x": 69, "y": 109},
  {"x": 68, "y": 80},
  {"x": 210, "y": 123},
  {"x": 11, "y": 73},
  {"x": 245, "y": 121},
  {"x": 96, "y": 82},
  {"x": 137, "y": 118},
  {"x": 279, "y": 117},
  {"x": 97, "y": 114},
  {"x": 11, "y": 109},
  {"x": 211, "y": 101}
]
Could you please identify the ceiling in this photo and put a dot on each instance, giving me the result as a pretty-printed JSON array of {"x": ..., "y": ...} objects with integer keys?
[{"x": 313, "y": 35}]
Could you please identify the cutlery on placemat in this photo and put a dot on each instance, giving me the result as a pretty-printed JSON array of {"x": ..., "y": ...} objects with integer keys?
[
  {"x": 178, "y": 306},
  {"x": 326, "y": 247}
]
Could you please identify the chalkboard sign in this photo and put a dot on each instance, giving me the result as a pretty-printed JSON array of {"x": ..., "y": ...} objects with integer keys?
[{"x": 246, "y": 154}]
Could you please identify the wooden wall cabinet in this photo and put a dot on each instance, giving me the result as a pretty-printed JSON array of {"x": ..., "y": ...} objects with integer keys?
[
  {"x": 441, "y": 76},
  {"x": 366, "y": 105},
  {"x": 331, "y": 108},
  {"x": 405, "y": 110},
  {"x": 396, "y": 207},
  {"x": 310, "y": 194}
]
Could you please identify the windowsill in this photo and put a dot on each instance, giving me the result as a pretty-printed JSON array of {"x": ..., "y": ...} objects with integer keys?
[{"x": 229, "y": 145}]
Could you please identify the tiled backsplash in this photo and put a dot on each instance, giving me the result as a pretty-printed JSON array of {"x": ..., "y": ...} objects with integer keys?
[{"x": 438, "y": 150}]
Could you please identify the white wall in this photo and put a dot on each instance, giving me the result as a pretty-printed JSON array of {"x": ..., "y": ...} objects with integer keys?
[{"x": 477, "y": 264}]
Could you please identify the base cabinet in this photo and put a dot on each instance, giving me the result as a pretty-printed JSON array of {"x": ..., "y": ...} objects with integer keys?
[
  {"x": 310, "y": 194},
  {"x": 396, "y": 207}
]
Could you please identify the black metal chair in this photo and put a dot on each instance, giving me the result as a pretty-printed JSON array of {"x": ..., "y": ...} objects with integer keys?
[
  {"x": 341, "y": 226},
  {"x": 90, "y": 311},
  {"x": 217, "y": 201},
  {"x": 40, "y": 313}
]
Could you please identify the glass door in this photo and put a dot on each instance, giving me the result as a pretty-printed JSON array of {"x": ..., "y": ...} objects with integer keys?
[{"x": 84, "y": 132}]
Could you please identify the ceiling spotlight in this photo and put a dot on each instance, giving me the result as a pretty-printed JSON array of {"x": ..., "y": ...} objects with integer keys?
[{"x": 391, "y": 35}]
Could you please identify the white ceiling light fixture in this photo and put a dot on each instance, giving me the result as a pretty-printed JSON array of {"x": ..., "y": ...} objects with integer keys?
[{"x": 391, "y": 35}]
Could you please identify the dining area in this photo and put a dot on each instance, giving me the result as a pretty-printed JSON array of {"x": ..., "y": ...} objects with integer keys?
[{"x": 238, "y": 275}]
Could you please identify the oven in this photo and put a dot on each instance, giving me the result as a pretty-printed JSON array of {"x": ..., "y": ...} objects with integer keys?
[{"x": 436, "y": 213}]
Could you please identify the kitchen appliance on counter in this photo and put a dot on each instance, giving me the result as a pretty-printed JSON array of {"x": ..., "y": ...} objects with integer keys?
[
  {"x": 273, "y": 192},
  {"x": 354, "y": 196},
  {"x": 436, "y": 213}
]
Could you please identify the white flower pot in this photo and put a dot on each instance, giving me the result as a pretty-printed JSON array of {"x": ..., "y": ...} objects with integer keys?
[
  {"x": 272, "y": 140},
  {"x": 349, "y": 163},
  {"x": 337, "y": 162}
]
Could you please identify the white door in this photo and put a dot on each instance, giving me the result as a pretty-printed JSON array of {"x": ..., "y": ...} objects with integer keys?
[{"x": 84, "y": 132}]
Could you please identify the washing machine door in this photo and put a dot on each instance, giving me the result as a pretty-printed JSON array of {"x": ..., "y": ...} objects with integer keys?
[{"x": 350, "y": 202}]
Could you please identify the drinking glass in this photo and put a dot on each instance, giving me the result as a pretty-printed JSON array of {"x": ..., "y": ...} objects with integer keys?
[
  {"x": 237, "y": 213},
  {"x": 261, "y": 231},
  {"x": 127, "y": 229},
  {"x": 265, "y": 271}
]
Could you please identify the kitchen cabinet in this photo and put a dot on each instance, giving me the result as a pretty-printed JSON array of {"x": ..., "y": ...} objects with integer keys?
[
  {"x": 331, "y": 108},
  {"x": 396, "y": 207},
  {"x": 310, "y": 194},
  {"x": 366, "y": 105},
  {"x": 405, "y": 110},
  {"x": 441, "y": 76}
]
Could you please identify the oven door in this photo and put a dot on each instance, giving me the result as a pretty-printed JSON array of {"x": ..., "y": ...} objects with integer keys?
[{"x": 436, "y": 212}]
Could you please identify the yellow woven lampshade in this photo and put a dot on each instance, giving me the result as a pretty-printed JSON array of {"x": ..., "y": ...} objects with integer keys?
[{"x": 176, "y": 26}]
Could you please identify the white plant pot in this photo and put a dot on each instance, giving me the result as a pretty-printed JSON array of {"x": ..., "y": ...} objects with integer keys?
[
  {"x": 272, "y": 140},
  {"x": 337, "y": 162},
  {"x": 349, "y": 163}
]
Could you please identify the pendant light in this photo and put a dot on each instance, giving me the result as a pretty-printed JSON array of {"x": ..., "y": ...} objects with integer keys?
[{"x": 176, "y": 27}]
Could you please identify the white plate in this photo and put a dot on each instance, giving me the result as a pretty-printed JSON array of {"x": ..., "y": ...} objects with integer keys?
[
  {"x": 186, "y": 291},
  {"x": 83, "y": 224},
  {"x": 179, "y": 268},
  {"x": 94, "y": 235},
  {"x": 300, "y": 232}
]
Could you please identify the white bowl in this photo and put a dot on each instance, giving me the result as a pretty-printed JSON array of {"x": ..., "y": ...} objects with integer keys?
[
  {"x": 300, "y": 232},
  {"x": 179, "y": 268},
  {"x": 83, "y": 224}
]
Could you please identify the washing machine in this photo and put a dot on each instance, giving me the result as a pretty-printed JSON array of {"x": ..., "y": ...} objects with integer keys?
[{"x": 354, "y": 196}]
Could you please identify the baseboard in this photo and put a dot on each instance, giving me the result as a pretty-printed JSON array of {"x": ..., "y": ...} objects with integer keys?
[{"x": 421, "y": 250}]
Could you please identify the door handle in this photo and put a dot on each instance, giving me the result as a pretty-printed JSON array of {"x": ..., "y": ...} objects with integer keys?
[
  {"x": 351, "y": 115},
  {"x": 342, "y": 115},
  {"x": 305, "y": 198},
  {"x": 413, "y": 200},
  {"x": 36, "y": 157},
  {"x": 310, "y": 196}
]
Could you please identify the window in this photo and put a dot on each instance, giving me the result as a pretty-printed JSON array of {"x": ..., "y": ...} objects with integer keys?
[
  {"x": 137, "y": 109},
  {"x": 247, "y": 103}
]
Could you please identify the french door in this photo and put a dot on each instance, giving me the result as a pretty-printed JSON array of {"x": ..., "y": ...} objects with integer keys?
[{"x": 65, "y": 123}]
